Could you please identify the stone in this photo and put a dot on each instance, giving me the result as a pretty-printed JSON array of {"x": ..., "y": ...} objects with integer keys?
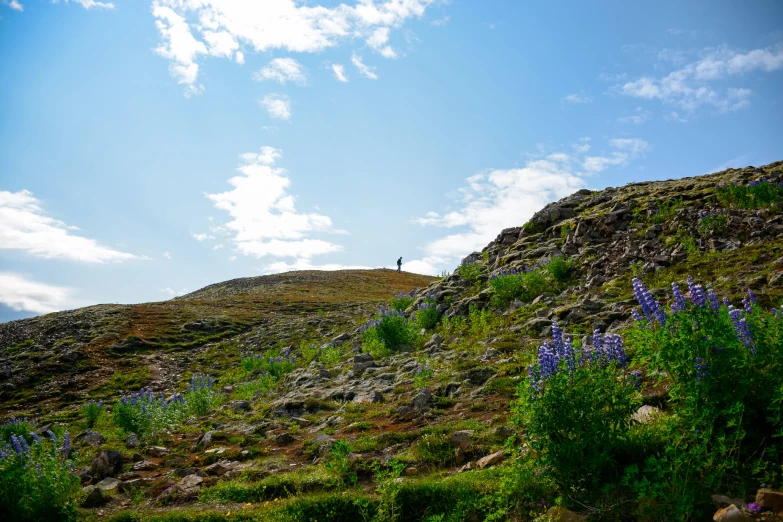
[
  {"x": 770, "y": 498},
  {"x": 132, "y": 441},
  {"x": 93, "y": 438},
  {"x": 106, "y": 463},
  {"x": 220, "y": 468},
  {"x": 144, "y": 465},
  {"x": 421, "y": 400},
  {"x": 84, "y": 474},
  {"x": 157, "y": 451},
  {"x": 504, "y": 432},
  {"x": 95, "y": 498},
  {"x": 490, "y": 460},
  {"x": 561, "y": 514},
  {"x": 370, "y": 397},
  {"x": 341, "y": 339},
  {"x": 137, "y": 457},
  {"x": 284, "y": 438},
  {"x": 731, "y": 514},
  {"x": 240, "y": 405},
  {"x": 190, "y": 485},
  {"x": 722, "y": 501},
  {"x": 362, "y": 361},
  {"x": 478, "y": 376},
  {"x": 206, "y": 439},
  {"x": 108, "y": 484},
  {"x": 645, "y": 414},
  {"x": 461, "y": 439}
]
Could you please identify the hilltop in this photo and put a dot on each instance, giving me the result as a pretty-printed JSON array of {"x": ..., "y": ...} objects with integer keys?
[{"x": 315, "y": 414}]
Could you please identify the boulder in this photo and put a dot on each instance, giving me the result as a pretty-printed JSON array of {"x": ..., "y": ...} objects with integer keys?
[
  {"x": 421, "y": 400},
  {"x": 108, "y": 484},
  {"x": 190, "y": 485},
  {"x": 157, "y": 451},
  {"x": 93, "y": 438},
  {"x": 144, "y": 465},
  {"x": 731, "y": 514},
  {"x": 284, "y": 438},
  {"x": 240, "y": 405},
  {"x": 95, "y": 498},
  {"x": 106, "y": 463},
  {"x": 132, "y": 440},
  {"x": 645, "y": 414},
  {"x": 770, "y": 499},
  {"x": 561, "y": 514},
  {"x": 461, "y": 439}
]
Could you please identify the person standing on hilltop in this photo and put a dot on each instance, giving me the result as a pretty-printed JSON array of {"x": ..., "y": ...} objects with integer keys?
[{"x": 399, "y": 264}]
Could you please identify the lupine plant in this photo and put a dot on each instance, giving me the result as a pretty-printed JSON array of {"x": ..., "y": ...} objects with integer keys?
[
  {"x": 401, "y": 301},
  {"x": 763, "y": 192},
  {"x": 575, "y": 409},
  {"x": 91, "y": 411},
  {"x": 714, "y": 222},
  {"x": 21, "y": 427},
  {"x": 423, "y": 376},
  {"x": 36, "y": 479},
  {"x": 149, "y": 414},
  {"x": 724, "y": 370},
  {"x": 470, "y": 268},
  {"x": 426, "y": 315},
  {"x": 388, "y": 331}
]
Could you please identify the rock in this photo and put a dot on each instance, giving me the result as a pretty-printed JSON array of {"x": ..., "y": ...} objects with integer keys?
[
  {"x": 190, "y": 485},
  {"x": 95, "y": 498},
  {"x": 284, "y": 438},
  {"x": 205, "y": 440},
  {"x": 137, "y": 457},
  {"x": 722, "y": 501},
  {"x": 93, "y": 438},
  {"x": 240, "y": 405},
  {"x": 504, "y": 432},
  {"x": 561, "y": 514},
  {"x": 435, "y": 340},
  {"x": 461, "y": 439},
  {"x": 106, "y": 463},
  {"x": 731, "y": 514},
  {"x": 467, "y": 467},
  {"x": 144, "y": 465},
  {"x": 451, "y": 389},
  {"x": 421, "y": 400},
  {"x": 220, "y": 468},
  {"x": 362, "y": 361},
  {"x": 132, "y": 440},
  {"x": 108, "y": 484},
  {"x": 770, "y": 498},
  {"x": 775, "y": 279},
  {"x": 370, "y": 397},
  {"x": 157, "y": 451},
  {"x": 228, "y": 389},
  {"x": 341, "y": 339},
  {"x": 477, "y": 376},
  {"x": 84, "y": 474},
  {"x": 490, "y": 460},
  {"x": 645, "y": 414}
]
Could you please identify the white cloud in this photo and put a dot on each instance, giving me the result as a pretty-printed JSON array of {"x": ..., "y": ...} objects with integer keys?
[
  {"x": 24, "y": 226},
  {"x": 441, "y": 22},
  {"x": 14, "y": 4},
  {"x": 20, "y": 293},
  {"x": 264, "y": 220},
  {"x": 174, "y": 293},
  {"x": 240, "y": 58},
  {"x": 167, "y": 255},
  {"x": 217, "y": 247},
  {"x": 283, "y": 70},
  {"x": 339, "y": 72},
  {"x": 638, "y": 117},
  {"x": 186, "y": 25},
  {"x": 690, "y": 86},
  {"x": 278, "y": 106},
  {"x": 364, "y": 70},
  {"x": 306, "y": 264},
  {"x": 578, "y": 98},
  {"x": 628, "y": 149},
  {"x": 202, "y": 237},
  {"x": 89, "y": 4},
  {"x": 378, "y": 41},
  {"x": 232, "y": 258},
  {"x": 501, "y": 198}
]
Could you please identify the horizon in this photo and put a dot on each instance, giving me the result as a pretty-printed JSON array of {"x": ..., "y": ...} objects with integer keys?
[{"x": 150, "y": 149}]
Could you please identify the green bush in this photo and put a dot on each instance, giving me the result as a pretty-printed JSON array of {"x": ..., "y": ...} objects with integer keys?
[
  {"x": 91, "y": 411},
  {"x": 426, "y": 314},
  {"x": 36, "y": 482},
  {"x": 389, "y": 331},
  {"x": 559, "y": 268},
  {"x": 338, "y": 464},
  {"x": 724, "y": 369},
  {"x": 15, "y": 426},
  {"x": 716, "y": 223},
  {"x": 401, "y": 302},
  {"x": 470, "y": 271},
  {"x": 575, "y": 410},
  {"x": 508, "y": 285},
  {"x": 756, "y": 194}
]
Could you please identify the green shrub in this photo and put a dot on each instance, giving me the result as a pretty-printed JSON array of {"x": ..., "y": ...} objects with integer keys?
[
  {"x": 716, "y": 223},
  {"x": 36, "y": 482},
  {"x": 756, "y": 194},
  {"x": 401, "y": 302},
  {"x": 391, "y": 329},
  {"x": 724, "y": 369},
  {"x": 15, "y": 426},
  {"x": 575, "y": 410},
  {"x": 470, "y": 271},
  {"x": 559, "y": 268},
  {"x": 91, "y": 411},
  {"x": 337, "y": 462},
  {"x": 426, "y": 314},
  {"x": 508, "y": 285},
  {"x": 665, "y": 211}
]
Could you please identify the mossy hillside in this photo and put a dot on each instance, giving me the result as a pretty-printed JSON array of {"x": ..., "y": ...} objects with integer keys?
[{"x": 279, "y": 433}]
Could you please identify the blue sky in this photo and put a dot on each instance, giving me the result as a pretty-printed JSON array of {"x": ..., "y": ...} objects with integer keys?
[{"x": 149, "y": 148}]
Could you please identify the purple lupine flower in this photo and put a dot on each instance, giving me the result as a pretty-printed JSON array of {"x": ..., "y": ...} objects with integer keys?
[
  {"x": 747, "y": 305},
  {"x": 714, "y": 302},
  {"x": 35, "y": 437},
  {"x": 53, "y": 437},
  {"x": 637, "y": 375},
  {"x": 679, "y": 299},
  {"x": 754, "y": 507},
  {"x": 697, "y": 293},
  {"x": 726, "y": 301},
  {"x": 23, "y": 442},
  {"x": 66, "y": 444},
  {"x": 557, "y": 335},
  {"x": 741, "y": 327},
  {"x": 635, "y": 315},
  {"x": 17, "y": 447}
]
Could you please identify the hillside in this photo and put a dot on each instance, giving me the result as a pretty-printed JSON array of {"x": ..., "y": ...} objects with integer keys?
[{"x": 339, "y": 424}]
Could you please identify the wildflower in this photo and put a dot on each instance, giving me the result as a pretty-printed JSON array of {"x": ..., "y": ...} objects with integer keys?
[
  {"x": 754, "y": 507},
  {"x": 52, "y": 436},
  {"x": 35, "y": 437},
  {"x": 714, "y": 302},
  {"x": 679, "y": 299},
  {"x": 741, "y": 327},
  {"x": 66, "y": 444},
  {"x": 16, "y": 445},
  {"x": 701, "y": 369}
]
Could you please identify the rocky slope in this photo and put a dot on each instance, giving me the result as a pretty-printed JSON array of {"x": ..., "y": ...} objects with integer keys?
[{"x": 272, "y": 444}]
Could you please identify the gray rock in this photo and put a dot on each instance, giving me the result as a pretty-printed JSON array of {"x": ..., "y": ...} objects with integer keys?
[
  {"x": 108, "y": 484},
  {"x": 421, "y": 400},
  {"x": 284, "y": 439},
  {"x": 106, "y": 463},
  {"x": 190, "y": 485},
  {"x": 206, "y": 439},
  {"x": 731, "y": 514},
  {"x": 240, "y": 405},
  {"x": 95, "y": 498},
  {"x": 341, "y": 339},
  {"x": 157, "y": 451},
  {"x": 645, "y": 414},
  {"x": 93, "y": 438},
  {"x": 490, "y": 460},
  {"x": 132, "y": 441},
  {"x": 461, "y": 439},
  {"x": 722, "y": 501},
  {"x": 144, "y": 465}
]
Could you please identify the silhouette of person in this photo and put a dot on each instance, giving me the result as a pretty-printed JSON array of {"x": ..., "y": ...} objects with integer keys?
[{"x": 399, "y": 264}]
